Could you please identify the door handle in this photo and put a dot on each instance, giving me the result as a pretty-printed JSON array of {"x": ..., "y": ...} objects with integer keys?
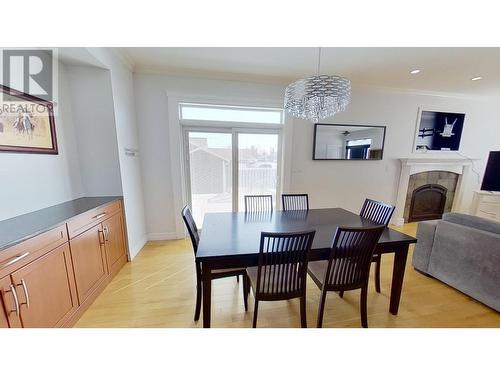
[
  {"x": 105, "y": 231},
  {"x": 99, "y": 232},
  {"x": 26, "y": 295},
  {"x": 16, "y": 300}
]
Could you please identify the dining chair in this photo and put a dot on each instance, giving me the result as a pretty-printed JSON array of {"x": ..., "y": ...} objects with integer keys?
[
  {"x": 292, "y": 202},
  {"x": 215, "y": 274},
  {"x": 348, "y": 267},
  {"x": 258, "y": 203},
  {"x": 282, "y": 269},
  {"x": 379, "y": 213}
]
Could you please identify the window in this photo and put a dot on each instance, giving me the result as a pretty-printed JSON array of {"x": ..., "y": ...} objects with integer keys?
[{"x": 206, "y": 112}]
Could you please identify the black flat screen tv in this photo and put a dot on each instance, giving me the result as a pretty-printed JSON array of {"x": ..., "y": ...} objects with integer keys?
[{"x": 491, "y": 179}]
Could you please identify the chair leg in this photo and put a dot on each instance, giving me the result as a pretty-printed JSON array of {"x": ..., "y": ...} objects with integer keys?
[
  {"x": 377, "y": 274},
  {"x": 321, "y": 309},
  {"x": 341, "y": 293},
  {"x": 303, "y": 317},
  {"x": 255, "y": 311},
  {"x": 362, "y": 306},
  {"x": 198, "y": 299},
  {"x": 245, "y": 291}
]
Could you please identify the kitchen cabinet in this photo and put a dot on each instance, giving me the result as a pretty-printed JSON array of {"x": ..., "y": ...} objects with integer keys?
[{"x": 50, "y": 278}]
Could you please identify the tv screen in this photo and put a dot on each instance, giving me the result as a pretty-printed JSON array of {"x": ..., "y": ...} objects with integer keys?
[{"x": 491, "y": 179}]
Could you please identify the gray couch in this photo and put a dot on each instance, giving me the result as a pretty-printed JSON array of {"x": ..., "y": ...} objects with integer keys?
[{"x": 464, "y": 252}]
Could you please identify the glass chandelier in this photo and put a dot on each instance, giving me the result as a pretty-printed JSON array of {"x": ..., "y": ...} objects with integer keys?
[{"x": 317, "y": 97}]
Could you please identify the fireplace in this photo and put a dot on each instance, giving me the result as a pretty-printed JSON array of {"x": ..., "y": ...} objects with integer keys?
[
  {"x": 416, "y": 173},
  {"x": 427, "y": 203},
  {"x": 429, "y": 195}
]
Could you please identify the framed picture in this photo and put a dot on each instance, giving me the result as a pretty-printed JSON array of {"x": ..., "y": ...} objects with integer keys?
[
  {"x": 438, "y": 131},
  {"x": 26, "y": 123}
]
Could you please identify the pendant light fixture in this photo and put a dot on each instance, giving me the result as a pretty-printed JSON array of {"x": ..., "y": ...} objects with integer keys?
[{"x": 317, "y": 97}]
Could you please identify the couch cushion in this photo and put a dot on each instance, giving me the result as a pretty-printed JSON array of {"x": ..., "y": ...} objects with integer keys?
[
  {"x": 467, "y": 259},
  {"x": 473, "y": 222}
]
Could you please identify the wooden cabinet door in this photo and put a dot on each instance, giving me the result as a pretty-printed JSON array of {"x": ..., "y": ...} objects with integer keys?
[
  {"x": 8, "y": 302},
  {"x": 116, "y": 255},
  {"x": 46, "y": 289},
  {"x": 89, "y": 261}
]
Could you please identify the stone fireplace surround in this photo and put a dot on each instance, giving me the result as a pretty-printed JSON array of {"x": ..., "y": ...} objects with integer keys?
[{"x": 462, "y": 167}]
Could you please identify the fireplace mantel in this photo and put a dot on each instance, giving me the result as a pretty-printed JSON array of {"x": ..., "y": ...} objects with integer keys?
[{"x": 417, "y": 165}]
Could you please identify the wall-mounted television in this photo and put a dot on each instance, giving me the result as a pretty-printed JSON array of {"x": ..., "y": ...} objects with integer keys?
[
  {"x": 348, "y": 142},
  {"x": 491, "y": 179}
]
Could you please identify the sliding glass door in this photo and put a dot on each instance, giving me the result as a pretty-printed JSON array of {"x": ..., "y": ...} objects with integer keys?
[{"x": 223, "y": 165}]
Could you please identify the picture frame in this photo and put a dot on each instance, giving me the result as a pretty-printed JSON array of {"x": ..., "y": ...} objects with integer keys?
[
  {"x": 452, "y": 135},
  {"x": 27, "y": 123}
]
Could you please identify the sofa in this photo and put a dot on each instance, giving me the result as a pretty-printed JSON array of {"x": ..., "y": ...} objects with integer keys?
[{"x": 462, "y": 251}]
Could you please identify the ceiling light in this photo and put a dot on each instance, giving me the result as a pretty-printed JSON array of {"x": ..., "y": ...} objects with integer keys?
[
  {"x": 476, "y": 78},
  {"x": 317, "y": 97},
  {"x": 415, "y": 71}
]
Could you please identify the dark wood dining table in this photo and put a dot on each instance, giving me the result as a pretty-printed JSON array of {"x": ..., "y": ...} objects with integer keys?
[{"x": 231, "y": 240}]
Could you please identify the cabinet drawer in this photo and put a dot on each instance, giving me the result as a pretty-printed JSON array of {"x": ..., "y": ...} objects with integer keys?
[
  {"x": 31, "y": 249},
  {"x": 489, "y": 208},
  {"x": 490, "y": 198},
  {"x": 81, "y": 223}
]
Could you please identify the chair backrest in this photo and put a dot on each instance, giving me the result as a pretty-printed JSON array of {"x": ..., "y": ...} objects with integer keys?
[
  {"x": 257, "y": 203},
  {"x": 293, "y": 202},
  {"x": 282, "y": 268},
  {"x": 378, "y": 212},
  {"x": 191, "y": 227},
  {"x": 350, "y": 257}
]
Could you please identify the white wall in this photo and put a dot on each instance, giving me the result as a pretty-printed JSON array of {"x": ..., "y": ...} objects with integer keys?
[
  {"x": 32, "y": 182},
  {"x": 347, "y": 183},
  {"x": 93, "y": 116},
  {"x": 152, "y": 92},
  {"x": 329, "y": 183},
  {"x": 127, "y": 137}
]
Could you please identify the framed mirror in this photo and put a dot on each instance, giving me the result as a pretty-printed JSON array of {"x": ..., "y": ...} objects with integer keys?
[{"x": 348, "y": 142}]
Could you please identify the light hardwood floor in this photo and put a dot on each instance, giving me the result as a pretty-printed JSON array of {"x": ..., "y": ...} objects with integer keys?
[{"x": 157, "y": 289}]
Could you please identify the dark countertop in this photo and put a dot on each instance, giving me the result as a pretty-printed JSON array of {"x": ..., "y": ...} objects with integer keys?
[{"x": 23, "y": 227}]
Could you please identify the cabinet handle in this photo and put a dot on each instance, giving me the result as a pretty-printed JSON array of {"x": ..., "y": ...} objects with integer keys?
[
  {"x": 16, "y": 300},
  {"x": 100, "y": 231},
  {"x": 105, "y": 231},
  {"x": 26, "y": 295},
  {"x": 99, "y": 216},
  {"x": 17, "y": 258}
]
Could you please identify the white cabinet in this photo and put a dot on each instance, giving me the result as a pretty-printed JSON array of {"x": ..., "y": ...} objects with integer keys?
[{"x": 486, "y": 204}]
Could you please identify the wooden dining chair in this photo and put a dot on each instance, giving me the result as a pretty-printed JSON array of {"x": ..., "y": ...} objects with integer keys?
[
  {"x": 282, "y": 269},
  {"x": 348, "y": 267},
  {"x": 215, "y": 274},
  {"x": 294, "y": 202},
  {"x": 258, "y": 203},
  {"x": 379, "y": 213}
]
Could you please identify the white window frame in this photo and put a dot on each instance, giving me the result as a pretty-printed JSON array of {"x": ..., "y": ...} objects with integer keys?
[{"x": 177, "y": 141}]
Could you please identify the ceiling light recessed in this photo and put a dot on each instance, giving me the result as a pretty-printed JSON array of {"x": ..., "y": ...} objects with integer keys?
[
  {"x": 476, "y": 78},
  {"x": 415, "y": 71}
]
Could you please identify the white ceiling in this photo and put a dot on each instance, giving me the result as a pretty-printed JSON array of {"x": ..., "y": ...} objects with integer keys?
[{"x": 442, "y": 69}]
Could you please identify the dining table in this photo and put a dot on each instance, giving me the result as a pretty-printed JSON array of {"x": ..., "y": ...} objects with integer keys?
[{"x": 232, "y": 240}]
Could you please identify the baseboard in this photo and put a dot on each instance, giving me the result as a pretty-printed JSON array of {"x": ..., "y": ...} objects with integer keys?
[{"x": 162, "y": 236}]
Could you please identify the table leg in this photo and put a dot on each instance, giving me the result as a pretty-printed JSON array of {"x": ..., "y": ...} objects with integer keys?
[
  {"x": 398, "y": 273},
  {"x": 207, "y": 294}
]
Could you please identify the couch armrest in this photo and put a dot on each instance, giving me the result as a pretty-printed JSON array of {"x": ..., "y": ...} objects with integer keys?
[{"x": 426, "y": 231}]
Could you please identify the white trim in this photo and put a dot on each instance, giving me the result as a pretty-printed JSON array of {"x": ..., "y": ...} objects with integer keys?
[{"x": 163, "y": 236}]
